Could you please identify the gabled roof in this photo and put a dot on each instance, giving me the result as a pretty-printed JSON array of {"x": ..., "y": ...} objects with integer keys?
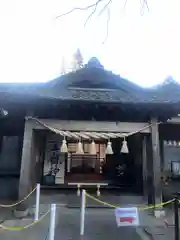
[
  {"x": 168, "y": 91},
  {"x": 94, "y": 83}
]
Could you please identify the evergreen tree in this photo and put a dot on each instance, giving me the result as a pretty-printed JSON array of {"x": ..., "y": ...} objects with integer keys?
[
  {"x": 79, "y": 58},
  {"x": 74, "y": 65}
]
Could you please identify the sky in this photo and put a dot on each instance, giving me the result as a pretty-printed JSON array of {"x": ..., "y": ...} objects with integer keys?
[{"x": 141, "y": 46}]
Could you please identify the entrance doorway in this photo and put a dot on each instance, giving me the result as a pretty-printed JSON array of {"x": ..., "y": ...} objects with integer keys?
[
  {"x": 119, "y": 170},
  {"x": 125, "y": 170},
  {"x": 85, "y": 167}
]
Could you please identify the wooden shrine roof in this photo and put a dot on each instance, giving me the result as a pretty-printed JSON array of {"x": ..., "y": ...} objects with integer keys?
[{"x": 94, "y": 84}]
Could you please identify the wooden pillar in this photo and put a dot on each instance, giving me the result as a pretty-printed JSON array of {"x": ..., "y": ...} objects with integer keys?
[
  {"x": 35, "y": 157},
  {"x": 138, "y": 157},
  {"x": 149, "y": 171},
  {"x": 25, "y": 181},
  {"x": 156, "y": 161},
  {"x": 40, "y": 163},
  {"x": 144, "y": 165}
]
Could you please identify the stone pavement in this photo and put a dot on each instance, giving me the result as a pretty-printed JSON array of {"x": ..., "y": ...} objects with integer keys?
[
  {"x": 161, "y": 228},
  {"x": 100, "y": 223},
  {"x": 156, "y": 228},
  {"x": 38, "y": 231}
]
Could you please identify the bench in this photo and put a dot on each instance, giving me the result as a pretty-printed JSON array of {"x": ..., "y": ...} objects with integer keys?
[{"x": 82, "y": 184}]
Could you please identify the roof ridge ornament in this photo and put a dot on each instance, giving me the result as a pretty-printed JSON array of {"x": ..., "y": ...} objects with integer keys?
[{"x": 94, "y": 62}]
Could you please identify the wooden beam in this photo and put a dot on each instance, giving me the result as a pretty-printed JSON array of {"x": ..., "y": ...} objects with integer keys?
[{"x": 97, "y": 126}]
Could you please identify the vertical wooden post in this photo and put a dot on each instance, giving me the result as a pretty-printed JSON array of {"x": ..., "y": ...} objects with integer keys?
[
  {"x": 176, "y": 218},
  {"x": 25, "y": 181},
  {"x": 150, "y": 176},
  {"x": 156, "y": 161},
  {"x": 138, "y": 163},
  {"x": 144, "y": 165}
]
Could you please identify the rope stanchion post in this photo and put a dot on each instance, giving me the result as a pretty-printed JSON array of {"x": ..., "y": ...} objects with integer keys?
[
  {"x": 83, "y": 208},
  {"x": 37, "y": 202},
  {"x": 176, "y": 218},
  {"x": 52, "y": 222}
]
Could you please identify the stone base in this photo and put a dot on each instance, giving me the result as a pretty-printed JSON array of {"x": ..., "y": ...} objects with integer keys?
[{"x": 21, "y": 214}]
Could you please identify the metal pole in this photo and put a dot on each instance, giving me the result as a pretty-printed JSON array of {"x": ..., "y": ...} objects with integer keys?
[
  {"x": 176, "y": 219},
  {"x": 83, "y": 206},
  {"x": 37, "y": 202},
  {"x": 52, "y": 222}
]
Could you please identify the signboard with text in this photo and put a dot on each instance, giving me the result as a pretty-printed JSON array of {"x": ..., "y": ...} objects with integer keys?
[{"x": 127, "y": 217}]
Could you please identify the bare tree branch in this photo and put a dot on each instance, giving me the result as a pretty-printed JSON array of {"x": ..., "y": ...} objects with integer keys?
[
  {"x": 95, "y": 9},
  {"x": 107, "y": 25},
  {"x": 92, "y": 13},
  {"x": 95, "y": 5},
  {"x": 81, "y": 8},
  {"x": 105, "y": 6}
]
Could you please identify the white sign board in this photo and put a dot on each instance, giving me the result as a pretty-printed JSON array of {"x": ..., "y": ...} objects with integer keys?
[{"x": 127, "y": 217}]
